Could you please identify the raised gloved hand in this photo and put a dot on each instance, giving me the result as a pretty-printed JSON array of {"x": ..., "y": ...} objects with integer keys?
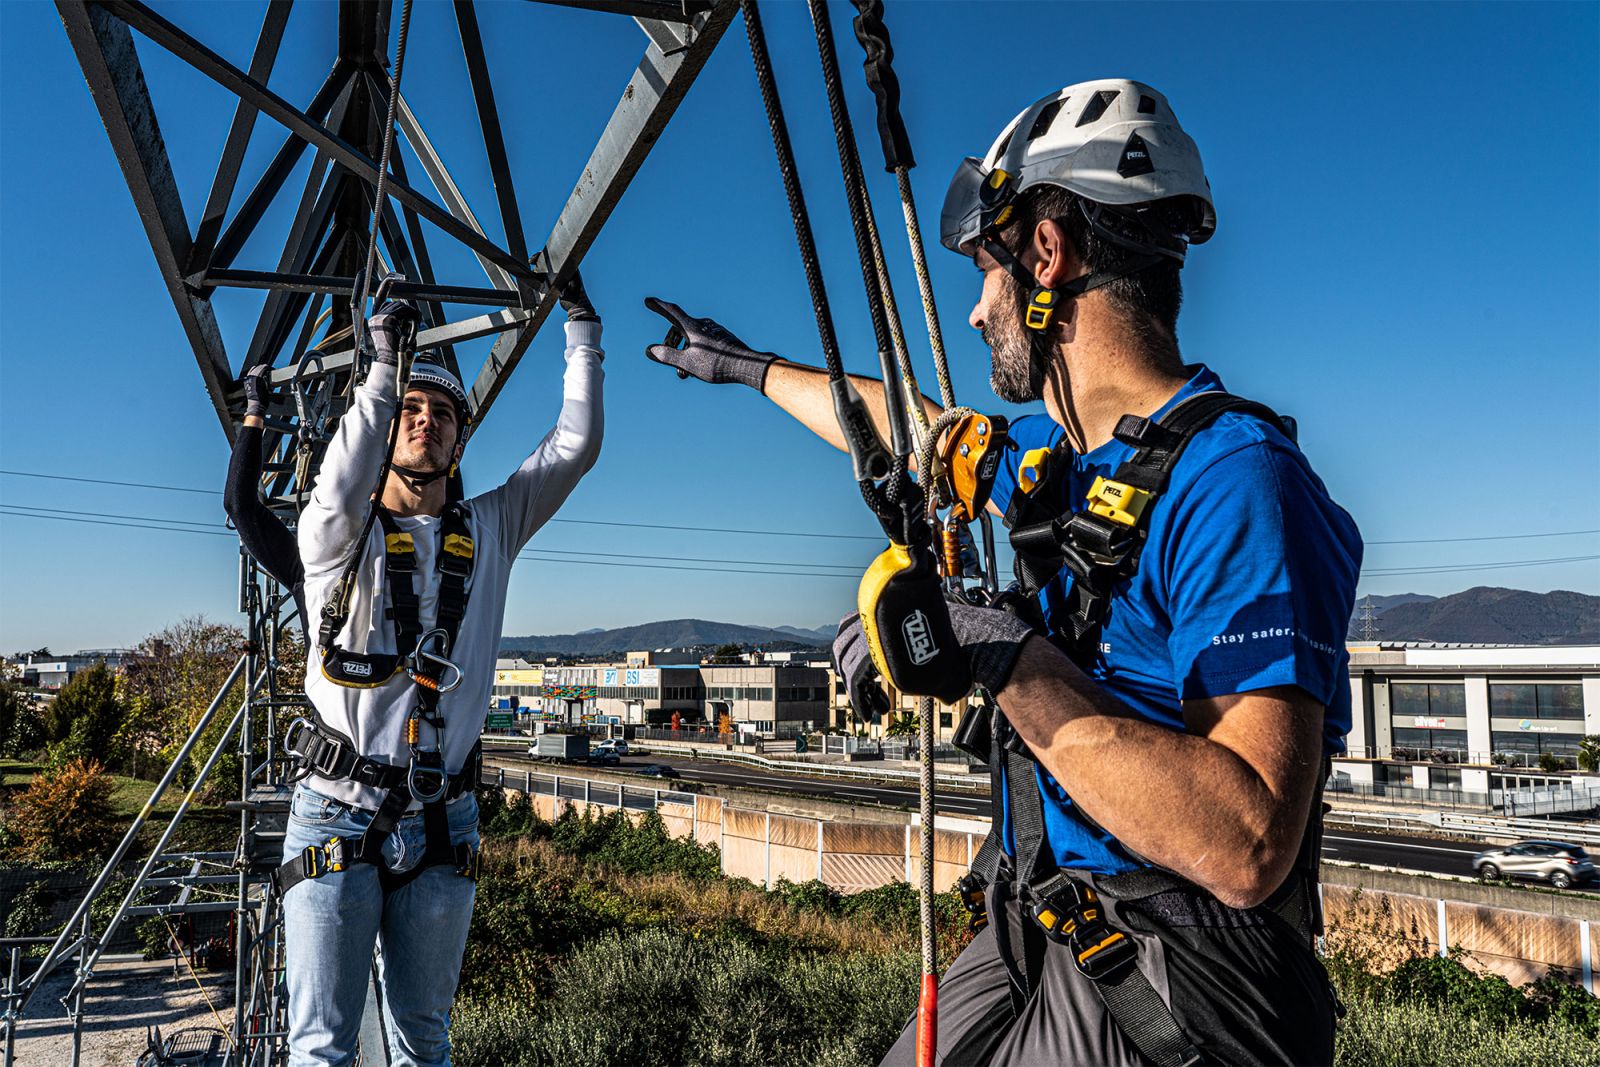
[
  {"x": 854, "y": 663},
  {"x": 393, "y": 323},
  {"x": 707, "y": 350},
  {"x": 574, "y": 300},
  {"x": 991, "y": 640},
  {"x": 257, "y": 384}
]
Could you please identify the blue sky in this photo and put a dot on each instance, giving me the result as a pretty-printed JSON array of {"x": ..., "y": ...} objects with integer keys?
[{"x": 1406, "y": 260}]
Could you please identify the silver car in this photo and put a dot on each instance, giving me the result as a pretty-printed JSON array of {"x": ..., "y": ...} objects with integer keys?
[{"x": 1556, "y": 862}]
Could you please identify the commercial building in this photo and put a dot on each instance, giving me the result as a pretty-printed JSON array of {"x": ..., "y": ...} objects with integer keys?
[
  {"x": 57, "y": 671},
  {"x": 518, "y": 684},
  {"x": 1470, "y": 718}
]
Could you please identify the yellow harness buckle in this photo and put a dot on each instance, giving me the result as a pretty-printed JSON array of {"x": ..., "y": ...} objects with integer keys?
[
  {"x": 458, "y": 545},
  {"x": 398, "y": 542},
  {"x": 1117, "y": 501},
  {"x": 1032, "y": 469}
]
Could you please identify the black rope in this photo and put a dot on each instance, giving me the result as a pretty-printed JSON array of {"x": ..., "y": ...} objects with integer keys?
[
  {"x": 791, "y": 188},
  {"x": 881, "y": 79}
]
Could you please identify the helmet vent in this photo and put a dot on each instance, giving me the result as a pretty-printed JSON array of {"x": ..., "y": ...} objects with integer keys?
[
  {"x": 1098, "y": 102},
  {"x": 1046, "y": 119},
  {"x": 1147, "y": 105}
]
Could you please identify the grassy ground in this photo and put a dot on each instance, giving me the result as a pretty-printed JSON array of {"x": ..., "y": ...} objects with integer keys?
[{"x": 596, "y": 943}]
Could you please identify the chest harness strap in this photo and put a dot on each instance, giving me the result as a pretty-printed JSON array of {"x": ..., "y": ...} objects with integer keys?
[
  {"x": 1100, "y": 545},
  {"x": 325, "y": 752}
]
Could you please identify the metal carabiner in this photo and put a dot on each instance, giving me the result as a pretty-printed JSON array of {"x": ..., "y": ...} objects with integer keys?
[{"x": 423, "y": 655}]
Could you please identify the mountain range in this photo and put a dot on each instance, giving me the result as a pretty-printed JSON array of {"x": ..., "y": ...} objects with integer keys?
[
  {"x": 1484, "y": 615},
  {"x": 673, "y": 633}
]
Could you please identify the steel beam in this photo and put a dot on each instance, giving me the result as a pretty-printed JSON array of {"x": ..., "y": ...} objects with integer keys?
[
  {"x": 665, "y": 10},
  {"x": 244, "y": 121},
  {"x": 105, "y": 51},
  {"x": 236, "y": 81},
  {"x": 494, "y": 144},
  {"x": 649, "y": 101},
  {"x": 314, "y": 283}
]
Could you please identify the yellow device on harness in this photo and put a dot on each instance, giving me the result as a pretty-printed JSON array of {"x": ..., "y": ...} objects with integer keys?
[{"x": 907, "y": 625}]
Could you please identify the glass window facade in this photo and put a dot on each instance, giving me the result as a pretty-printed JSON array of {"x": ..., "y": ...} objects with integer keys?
[
  {"x": 1532, "y": 744},
  {"x": 1536, "y": 700},
  {"x": 1427, "y": 699},
  {"x": 1422, "y": 744}
]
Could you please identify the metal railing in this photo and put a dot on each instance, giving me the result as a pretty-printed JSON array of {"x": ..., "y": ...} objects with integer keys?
[
  {"x": 1494, "y": 759},
  {"x": 1512, "y": 802}
]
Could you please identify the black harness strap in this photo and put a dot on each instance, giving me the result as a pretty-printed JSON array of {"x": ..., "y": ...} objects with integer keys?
[{"x": 334, "y": 757}]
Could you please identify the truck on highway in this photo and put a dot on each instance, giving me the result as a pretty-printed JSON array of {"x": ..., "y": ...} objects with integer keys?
[{"x": 560, "y": 746}]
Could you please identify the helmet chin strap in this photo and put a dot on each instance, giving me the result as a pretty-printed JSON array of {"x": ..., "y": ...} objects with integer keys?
[{"x": 417, "y": 479}]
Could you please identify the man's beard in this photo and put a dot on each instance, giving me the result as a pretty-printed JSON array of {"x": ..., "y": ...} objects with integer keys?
[
  {"x": 423, "y": 458},
  {"x": 1017, "y": 375}
]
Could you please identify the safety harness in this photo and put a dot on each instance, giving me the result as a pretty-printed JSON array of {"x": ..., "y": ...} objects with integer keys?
[
  {"x": 1101, "y": 545},
  {"x": 329, "y": 754}
]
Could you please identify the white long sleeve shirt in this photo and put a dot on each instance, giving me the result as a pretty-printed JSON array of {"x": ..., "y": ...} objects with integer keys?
[{"x": 502, "y": 521}]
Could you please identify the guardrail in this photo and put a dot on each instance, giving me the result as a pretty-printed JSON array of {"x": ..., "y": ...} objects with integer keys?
[
  {"x": 826, "y": 770},
  {"x": 1473, "y": 825}
]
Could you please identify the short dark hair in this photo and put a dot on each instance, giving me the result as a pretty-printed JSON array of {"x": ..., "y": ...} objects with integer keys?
[{"x": 1149, "y": 298}]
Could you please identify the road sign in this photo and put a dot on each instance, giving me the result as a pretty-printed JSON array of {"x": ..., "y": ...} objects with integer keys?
[{"x": 500, "y": 721}]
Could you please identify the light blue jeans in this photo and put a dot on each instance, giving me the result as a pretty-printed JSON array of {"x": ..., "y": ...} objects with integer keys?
[{"x": 331, "y": 924}]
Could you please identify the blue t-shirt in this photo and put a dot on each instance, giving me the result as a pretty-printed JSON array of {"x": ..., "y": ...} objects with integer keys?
[{"x": 1247, "y": 580}]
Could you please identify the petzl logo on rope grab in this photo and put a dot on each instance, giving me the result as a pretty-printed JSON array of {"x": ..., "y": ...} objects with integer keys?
[{"x": 919, "y": 638}]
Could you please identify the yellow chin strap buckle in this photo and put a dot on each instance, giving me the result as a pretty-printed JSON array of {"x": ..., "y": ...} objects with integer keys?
[{"x": 1041, "y": 310}]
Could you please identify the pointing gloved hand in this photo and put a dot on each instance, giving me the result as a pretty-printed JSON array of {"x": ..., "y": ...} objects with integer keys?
[
  {"x": 707, "y": 350},
  {"x": 574, "y": 301},
  {"x": 991, "y": 640},
  {"x": 257, "y": 384},
  {"x": 390, "y": 326}
]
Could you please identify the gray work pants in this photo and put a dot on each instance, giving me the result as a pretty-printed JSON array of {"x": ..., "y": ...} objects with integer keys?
[{"x": 1243, "y": 987}]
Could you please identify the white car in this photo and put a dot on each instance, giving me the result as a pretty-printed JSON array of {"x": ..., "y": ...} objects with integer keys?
[{"x": 615, "y": 745}]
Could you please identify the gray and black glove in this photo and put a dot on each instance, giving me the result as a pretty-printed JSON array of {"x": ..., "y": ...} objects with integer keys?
[
  {"x": 854, "y": 663},
  {"x": 394, "y": 324},
  {"x": 574, "y": 301},
  {"x": 707, "y": 350},
  {"x": 991, "y": 640},
  {"x": 257, "y": 384}
]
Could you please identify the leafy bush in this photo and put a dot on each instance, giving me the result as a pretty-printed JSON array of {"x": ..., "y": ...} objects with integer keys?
[
  {"x": 663, "y": 996},
  {"x": 1383, "y": 1033},
  {"x": 614, "y": 841},
  {"x": 28, "y": 914},
  {"x": 66, "y": 813},
  {"x": 1444, "y": 983}
]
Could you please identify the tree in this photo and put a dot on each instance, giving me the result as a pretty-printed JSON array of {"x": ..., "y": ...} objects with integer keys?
[
  {"x": 1589, "y": 753},
  {"x": 85, "y": 715},
  {"x": 66, "y": 813},
  {"x": 903, "y": 726},
  {"x": 169, "y": 682},
  {"x": 727, "y": 654}
]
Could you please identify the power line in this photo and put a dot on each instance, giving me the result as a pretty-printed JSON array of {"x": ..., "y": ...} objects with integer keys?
[
  {"x": 764, "y": 533},
  {"x": 1501, "y": 537},
  {"x": 111, "y": 515},
  {"x": 1393, "y": 571},
  {"x": 570, "y": 522},
  {"x": 144, "y": 523}
]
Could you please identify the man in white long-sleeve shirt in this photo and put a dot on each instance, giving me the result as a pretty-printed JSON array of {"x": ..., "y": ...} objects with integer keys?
[{"x": 382, "y": 836}]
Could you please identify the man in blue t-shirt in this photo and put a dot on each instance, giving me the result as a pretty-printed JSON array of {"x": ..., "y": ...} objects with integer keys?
[{"x": 1176, "y": 756}]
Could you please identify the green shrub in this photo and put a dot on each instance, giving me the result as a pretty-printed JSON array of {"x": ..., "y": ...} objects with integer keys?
[
  {"x": 66, "y": 813},
  {"x": 809, "y": 896},
  {"x": 1382, "y": 1033},
  {"x": 1556, "y": 997},
  {"x": 29, "y": 912},
  {"x": 613, "y": 840},
  {"x": 1444, "y": 983}
]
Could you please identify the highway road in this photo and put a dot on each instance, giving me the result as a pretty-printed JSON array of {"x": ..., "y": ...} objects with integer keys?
[{"x": 1422, "y": 854}]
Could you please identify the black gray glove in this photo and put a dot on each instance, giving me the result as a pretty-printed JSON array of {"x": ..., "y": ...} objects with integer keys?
[
  {"x": 707, "y": 350},
  {"x": 991, "y": 639},
  {"x": 389, "y": 327},
  {"x": 854, "y": 663},
  {"x": 257, "y": 384},
  {"x": 574, "y": 301}
]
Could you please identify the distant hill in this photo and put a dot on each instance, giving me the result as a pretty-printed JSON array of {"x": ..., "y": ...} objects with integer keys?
[
  {"x": 1487, "y": 615},
  {"x": 674, "y": 633}
]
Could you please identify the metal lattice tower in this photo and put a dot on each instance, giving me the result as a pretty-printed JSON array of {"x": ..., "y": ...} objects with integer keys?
[{"x": 308, "y": 302}]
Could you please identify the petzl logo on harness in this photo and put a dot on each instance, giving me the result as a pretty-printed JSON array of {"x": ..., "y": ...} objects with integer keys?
[
  {"x": 357, "y": 668},
  {"x": 919, "y": 638}
]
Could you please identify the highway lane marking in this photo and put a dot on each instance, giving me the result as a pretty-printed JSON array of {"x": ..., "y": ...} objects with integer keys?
[{"x": 1402, "y": 844}]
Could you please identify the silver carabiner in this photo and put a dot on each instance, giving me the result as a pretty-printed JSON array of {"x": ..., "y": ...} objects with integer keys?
[
  {"x": 423, "y": 655},
  {"x": 436, "y": 772}
]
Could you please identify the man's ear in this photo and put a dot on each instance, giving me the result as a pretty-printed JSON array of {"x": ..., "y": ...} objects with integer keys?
[
  {"x": 1056, "y": 263},
  {"x": 455, "y": 456}
]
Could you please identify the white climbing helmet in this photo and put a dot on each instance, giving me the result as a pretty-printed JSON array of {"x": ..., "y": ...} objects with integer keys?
[{"x": 1114, "y": 142}]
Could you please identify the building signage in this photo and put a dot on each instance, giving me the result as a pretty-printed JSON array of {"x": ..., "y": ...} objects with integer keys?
[
  {"x": 611, "y": 676},
  {"x": 1535, "y": 727},
  {"x": 1432, "y": 722}
]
